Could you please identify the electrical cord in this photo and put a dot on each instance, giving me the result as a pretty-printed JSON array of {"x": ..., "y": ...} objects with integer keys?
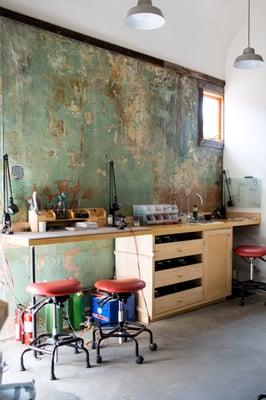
[
  {"x": 86, "y": 328},
  {"x": 139, "y": 272},
  {"x": 69, "y": 322},
  {"x": 7, "y": 275}
]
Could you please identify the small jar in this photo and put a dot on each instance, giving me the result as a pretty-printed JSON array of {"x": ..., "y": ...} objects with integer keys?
[{"x": 195, "y": 212}]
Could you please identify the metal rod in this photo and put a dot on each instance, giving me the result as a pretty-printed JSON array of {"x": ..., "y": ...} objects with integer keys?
[
  {"x": 248, "y": 23},
  {"x": 33, "y": 298}
]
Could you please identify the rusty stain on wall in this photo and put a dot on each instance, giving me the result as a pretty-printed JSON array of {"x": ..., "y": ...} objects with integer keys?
[{"x": 70, "y": 263}]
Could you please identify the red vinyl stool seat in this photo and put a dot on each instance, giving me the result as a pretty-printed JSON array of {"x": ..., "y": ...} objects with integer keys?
[
  {"x": 249, "y": 254},
  {"x": 250, "y": 251},
  {"x": 120, "y": 285},
  {"x": 55, "y": 293},
  {"x": 63, "y": 287},
  {"x": 120, "y": 289}
]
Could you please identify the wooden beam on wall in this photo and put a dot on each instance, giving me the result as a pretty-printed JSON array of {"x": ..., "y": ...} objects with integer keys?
[{"x": 108, "y": 46}]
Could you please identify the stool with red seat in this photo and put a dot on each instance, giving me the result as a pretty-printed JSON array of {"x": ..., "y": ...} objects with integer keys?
[
  {"x": 250, "y": 254},
  {"x": 55, "y": 293},
  {"x": 121, "y": 289}
]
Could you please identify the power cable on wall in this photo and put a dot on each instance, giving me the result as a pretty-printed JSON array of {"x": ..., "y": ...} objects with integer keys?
[{"x": 8, "y": 277}]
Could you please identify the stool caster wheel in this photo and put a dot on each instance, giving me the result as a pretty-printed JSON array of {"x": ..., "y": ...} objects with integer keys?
[
  {"x": 99, "y": 359},
  {"x": 153, "y": 347},
  {"x": 93, "y": 345},
  {"x": 139, "y": 359},
  {"x": 241, "y": 303}
]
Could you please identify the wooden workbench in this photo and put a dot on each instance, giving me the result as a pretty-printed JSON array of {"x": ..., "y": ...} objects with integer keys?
[
  {"x": 28, "y": 239},
  {"x": 144, "y": 237}
]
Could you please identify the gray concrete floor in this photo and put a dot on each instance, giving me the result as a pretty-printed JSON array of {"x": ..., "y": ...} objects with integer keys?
[{"x": 216, "y": 353}]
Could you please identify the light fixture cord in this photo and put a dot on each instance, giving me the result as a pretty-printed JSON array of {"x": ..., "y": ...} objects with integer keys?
[
  {"x": 144, "y": 3},
  {"x": 248, "y": 23}
]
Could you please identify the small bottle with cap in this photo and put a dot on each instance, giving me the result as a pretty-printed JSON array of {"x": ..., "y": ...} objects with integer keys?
[{"x": 195, "y": 212}]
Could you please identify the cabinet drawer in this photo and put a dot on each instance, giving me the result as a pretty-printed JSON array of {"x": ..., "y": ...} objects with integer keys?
[
  {"x": 175, "y": 275},
  {"x": 177, "y": 300},
  {"x": 178, "y": 249}
]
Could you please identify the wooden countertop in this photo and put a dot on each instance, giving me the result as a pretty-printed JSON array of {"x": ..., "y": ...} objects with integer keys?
[
  {"x": 26, "y": 239},
  {"x": 206, "y": 226}
]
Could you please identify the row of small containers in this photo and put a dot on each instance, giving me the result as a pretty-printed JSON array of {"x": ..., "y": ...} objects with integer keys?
[{"x": 82, "y": 310}]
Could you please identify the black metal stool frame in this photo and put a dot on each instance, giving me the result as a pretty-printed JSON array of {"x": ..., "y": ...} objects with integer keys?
[
  {"x": 54, "y": 339},
  {"x": 245, "y": 286},
  {"x": 121, "y": 330}
]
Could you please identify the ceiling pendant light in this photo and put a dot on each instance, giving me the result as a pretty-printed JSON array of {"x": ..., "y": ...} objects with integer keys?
[
  {"x": 145, "y": 16},
  {"x": 249, "y": 59}
]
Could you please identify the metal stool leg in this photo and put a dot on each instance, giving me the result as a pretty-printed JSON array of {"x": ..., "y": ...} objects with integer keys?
[
  {"x": 153, "y": 346},
  {"x": 139, "y": 358},
  {"x": 53, "y": 377},
  {"x": 22, "y": 366},
  {"x": 98, "y": 356},
  {"x": 82, "y": 347},
  {"x": 93, "y": 343}
]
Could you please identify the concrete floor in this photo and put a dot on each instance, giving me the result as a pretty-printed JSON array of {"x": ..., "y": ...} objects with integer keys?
[{"x": 216, "y": 353}]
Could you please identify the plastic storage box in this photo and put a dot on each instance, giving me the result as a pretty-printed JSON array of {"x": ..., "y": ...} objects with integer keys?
[
  {"x": 152, "y": 214},
  {"x": 107, "y": 314}
]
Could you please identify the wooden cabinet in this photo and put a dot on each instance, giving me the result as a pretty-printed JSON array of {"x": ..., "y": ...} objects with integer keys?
[
  {"x": 217, "y": 263},
  {"x": 172, "y": 267},
  {"x": 182, "y": 270}
]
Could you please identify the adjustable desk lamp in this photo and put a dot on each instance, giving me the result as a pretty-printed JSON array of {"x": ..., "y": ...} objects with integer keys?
[
  {"x": 230, "y": 201},
  {"x": 9, "y": 207},
  {"x": 221, "y": 212},
  {"x": 114, "y": 204}
]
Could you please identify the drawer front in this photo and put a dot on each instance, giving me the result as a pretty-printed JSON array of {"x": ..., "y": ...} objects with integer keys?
[
  {"x": 176, "y": 275},
  {"x": 178, "y": 249},
  {"x": 177, "y": 300}
]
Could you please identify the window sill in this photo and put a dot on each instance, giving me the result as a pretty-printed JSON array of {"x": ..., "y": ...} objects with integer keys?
[{"x": 212, "y": 144}]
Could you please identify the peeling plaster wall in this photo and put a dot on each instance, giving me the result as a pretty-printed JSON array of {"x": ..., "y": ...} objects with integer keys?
[{"x": 68, "y": 108}]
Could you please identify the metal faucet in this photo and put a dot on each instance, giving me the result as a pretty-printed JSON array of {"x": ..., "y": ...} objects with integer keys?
[{"x": 196, "y": 195}]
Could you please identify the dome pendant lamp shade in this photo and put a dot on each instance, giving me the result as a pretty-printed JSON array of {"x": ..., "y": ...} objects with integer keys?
[
  {"x": 145, "y": 16},
  {"x": 249, "y": 59}
]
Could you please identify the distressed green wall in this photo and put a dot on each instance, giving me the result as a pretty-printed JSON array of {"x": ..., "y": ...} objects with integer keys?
[{"x": 68, "y": 108}]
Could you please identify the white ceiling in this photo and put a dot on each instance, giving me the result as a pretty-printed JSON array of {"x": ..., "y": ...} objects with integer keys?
[{"x": 197, "y": 34}]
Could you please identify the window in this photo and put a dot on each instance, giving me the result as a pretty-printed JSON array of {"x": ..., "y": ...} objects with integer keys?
[{"x": 210, "y": 115}]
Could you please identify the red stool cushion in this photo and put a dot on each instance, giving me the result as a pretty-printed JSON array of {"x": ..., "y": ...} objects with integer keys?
[
  {"x": 250, "y": 251},
  {"x": 120, "y": 285},
  {"x": 61, "y": 287}
]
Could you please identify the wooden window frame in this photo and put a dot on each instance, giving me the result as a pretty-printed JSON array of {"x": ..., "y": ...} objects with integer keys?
[{"x": 217, "y": 92}]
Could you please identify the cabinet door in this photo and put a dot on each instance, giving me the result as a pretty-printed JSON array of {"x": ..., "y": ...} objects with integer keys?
[{"x": 217, "y": 263}]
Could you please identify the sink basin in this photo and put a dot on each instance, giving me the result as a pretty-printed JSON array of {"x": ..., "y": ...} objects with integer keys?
[
  {"x": 212, "y": 222},
  {"x": 216, "y": 222},
  {"x": 238, "y": 219}
]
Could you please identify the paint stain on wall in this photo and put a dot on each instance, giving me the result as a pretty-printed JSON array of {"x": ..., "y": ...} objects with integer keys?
[{"x": 70, "y": 264}]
